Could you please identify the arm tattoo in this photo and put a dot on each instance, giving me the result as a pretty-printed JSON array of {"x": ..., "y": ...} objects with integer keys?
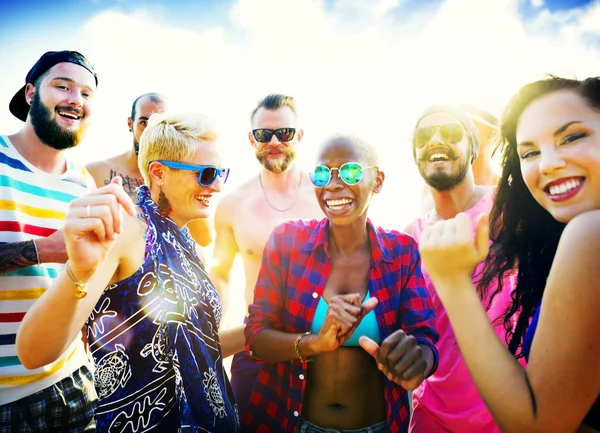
[
  {"x": 17, "y": 255},
  {"x": 130, "y": 183}
]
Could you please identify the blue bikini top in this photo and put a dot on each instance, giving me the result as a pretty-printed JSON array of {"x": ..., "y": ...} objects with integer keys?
[{"x": 367, "y": 327}]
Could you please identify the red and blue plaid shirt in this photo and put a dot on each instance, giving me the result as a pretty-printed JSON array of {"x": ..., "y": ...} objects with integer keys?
[{"x": 292, "y": 277}]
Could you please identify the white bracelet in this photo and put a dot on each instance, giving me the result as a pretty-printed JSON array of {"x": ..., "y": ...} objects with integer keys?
[{"x": 37, "y": 253}]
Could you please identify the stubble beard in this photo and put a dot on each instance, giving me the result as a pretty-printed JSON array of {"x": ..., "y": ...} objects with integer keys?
[{"x": 444, "y": 181}]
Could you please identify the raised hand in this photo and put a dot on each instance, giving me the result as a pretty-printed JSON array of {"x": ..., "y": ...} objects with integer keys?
[
  {"x": 344, "y": 314},
  {"x": 92, "y": 225},
  {"x": 449, "y": 249},
  {"x": 399, "y": 358}
]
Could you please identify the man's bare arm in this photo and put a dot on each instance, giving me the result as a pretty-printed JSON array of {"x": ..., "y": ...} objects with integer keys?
[
  {"x": 225, "y": 250},
  {"x": 19, "y": 255},
  {"x": 96, "y": 169},
  {"x": 232, "y": 340},
  {"x": 16, "y": 256},
  {"x": 201, "y": 231},
  {"x": 409, "y": 228}
]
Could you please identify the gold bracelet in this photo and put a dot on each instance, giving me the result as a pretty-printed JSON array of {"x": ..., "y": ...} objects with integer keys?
[
  {"x": 81, "y": 290},
  {"x": 297, "y": 347},
  {"x": 37, "y": 253}
]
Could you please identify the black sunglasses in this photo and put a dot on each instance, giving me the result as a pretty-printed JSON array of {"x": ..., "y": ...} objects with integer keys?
[
  {"x": 451, "y": 133},
  {"x": 283, "y": 134}
]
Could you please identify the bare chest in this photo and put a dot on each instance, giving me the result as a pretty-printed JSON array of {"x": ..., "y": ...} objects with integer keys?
[{"x": 255, "y": 219}]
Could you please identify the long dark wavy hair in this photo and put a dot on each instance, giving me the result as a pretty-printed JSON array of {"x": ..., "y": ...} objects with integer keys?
[{"x": 524, "y": 235}]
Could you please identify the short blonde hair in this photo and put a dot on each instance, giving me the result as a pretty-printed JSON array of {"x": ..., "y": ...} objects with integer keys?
[{"x": 172, "y": 137}]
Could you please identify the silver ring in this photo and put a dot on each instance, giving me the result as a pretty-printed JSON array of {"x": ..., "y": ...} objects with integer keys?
[{"x": 88, "y": 210}]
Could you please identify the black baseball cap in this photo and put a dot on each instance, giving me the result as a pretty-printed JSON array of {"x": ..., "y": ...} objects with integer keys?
[{"x": 18, "y": 104}]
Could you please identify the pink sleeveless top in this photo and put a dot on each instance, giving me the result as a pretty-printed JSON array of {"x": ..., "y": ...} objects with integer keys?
[{"x": 448, "y": 401}]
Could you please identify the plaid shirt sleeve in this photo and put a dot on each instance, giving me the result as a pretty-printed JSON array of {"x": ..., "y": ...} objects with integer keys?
[
  {"x": 265, "y": 310},
  {"x": 416, "y": 308},
  {"x": 404, "y": 303}
]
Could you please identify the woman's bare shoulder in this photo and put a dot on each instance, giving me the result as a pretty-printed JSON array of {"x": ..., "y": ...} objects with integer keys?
[
  {"x": 577, "y": 253},
  {"x": 583, "y": 230}
]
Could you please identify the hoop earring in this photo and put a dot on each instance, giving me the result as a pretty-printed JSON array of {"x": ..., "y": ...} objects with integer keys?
[{"x": 164, "y": 207}]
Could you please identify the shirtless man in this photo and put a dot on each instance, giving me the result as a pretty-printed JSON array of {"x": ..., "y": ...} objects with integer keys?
[
  {"x": 126, "y": 164},
  {"x": 246, "y": 216}
]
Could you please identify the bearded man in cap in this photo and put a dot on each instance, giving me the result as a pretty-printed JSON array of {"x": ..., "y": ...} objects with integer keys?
[
  {"x": 445, "y": 147},
  {"x": 485, "y": 171},
  {"x": 37, "y": 183}
]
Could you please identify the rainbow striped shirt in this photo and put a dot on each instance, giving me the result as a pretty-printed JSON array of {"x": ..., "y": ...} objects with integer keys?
[{"x": 32, "y": 205}]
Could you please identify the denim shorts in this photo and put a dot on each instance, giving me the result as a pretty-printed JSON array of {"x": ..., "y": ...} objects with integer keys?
[{"x": 307, "y": 427}]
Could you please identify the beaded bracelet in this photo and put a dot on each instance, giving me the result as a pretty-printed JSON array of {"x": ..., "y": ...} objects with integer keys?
[{"x": 297, "y": 347}]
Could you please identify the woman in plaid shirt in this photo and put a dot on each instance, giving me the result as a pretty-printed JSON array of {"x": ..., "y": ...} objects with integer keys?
[{"x": 348, "y": 296}]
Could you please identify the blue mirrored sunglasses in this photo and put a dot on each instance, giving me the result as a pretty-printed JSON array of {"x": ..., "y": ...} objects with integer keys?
[{"x": 207, "y": 174}]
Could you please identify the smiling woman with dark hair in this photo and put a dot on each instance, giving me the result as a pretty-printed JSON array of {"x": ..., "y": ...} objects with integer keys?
[
  {"x": 339, "y": 292},
  {"x": 546, "y": 222}
]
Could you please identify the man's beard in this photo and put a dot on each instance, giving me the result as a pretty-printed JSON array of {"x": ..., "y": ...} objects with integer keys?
[
  {"x": 443, "y": 181},
  {"x": 48, "y": 131},
  {"x": 136, "y": 146},
  {"x": 276, "y": 165}
]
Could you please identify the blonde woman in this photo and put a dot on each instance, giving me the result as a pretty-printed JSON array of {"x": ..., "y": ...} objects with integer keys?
[{"x": 135, "y": 281}]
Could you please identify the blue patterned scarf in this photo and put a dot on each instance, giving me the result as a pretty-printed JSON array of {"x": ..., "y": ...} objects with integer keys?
[{"x": 175, "y": 347}]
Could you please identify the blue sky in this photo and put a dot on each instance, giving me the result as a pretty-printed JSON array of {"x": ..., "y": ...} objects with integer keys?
[
  {"x": 556, "y": 5},
  {"x": 19, "y": 16},
  {"x": 357, "y": 66},
  {"x": 529, "y": 9}
]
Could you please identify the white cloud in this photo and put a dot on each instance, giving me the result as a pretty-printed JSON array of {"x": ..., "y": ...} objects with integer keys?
[
  {"x": 370, "y": 76},
  {"x": 590, "y": 18},
  {"x": 537, "y": 3},
  {"x": 362, "y": 9},
  {"x": 573, "y": 23}
]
